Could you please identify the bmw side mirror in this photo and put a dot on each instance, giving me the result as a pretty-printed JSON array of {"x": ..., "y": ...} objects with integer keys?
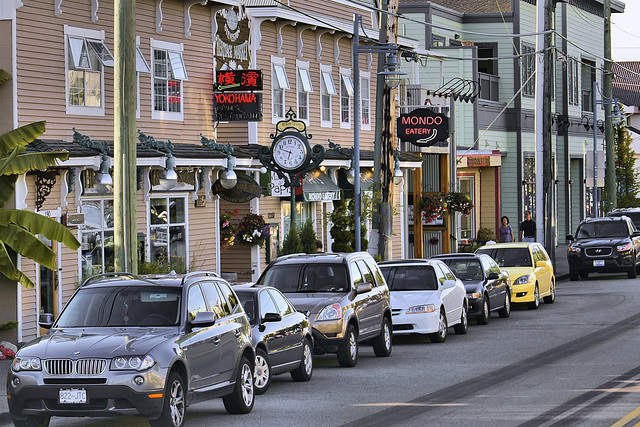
[
  {"x": 46, "y": 320},
  {"x": 204, "y": 319},
  {"x": 271, "y": 317}
]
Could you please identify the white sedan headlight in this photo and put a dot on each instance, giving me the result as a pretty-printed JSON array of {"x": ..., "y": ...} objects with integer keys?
[{"x": 424, "y": 308}]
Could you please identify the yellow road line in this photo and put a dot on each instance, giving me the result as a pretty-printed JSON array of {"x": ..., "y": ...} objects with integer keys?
[{"x": 629, "y": 417}]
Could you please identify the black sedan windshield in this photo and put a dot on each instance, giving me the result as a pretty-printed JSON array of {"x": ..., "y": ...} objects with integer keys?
[
  {"x": 307, "y": 278},
  {"x": 465, "y": 269},
  {"x": 122, "y": 306}
]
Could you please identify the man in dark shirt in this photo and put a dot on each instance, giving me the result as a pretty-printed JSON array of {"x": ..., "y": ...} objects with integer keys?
[{"x": 527, "y": 228}]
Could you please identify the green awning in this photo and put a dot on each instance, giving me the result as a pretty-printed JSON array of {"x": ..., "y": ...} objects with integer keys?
[{"x": 317, "y": 187}]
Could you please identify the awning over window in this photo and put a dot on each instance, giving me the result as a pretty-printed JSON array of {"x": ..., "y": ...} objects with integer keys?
[{"x": 317, "y": 187}]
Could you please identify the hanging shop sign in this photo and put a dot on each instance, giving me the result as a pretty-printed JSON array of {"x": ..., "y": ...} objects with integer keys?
[
  {"x": 238, "y": 80},
  {"x": 478, "y": 161},
  {"x": 245, "y": 189},
  {"x": 423, "y": 127},
  {"x": 232, "y": 39},
  {"x": 237, "y": 107}
]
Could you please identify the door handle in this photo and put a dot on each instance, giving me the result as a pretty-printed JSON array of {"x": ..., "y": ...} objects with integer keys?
[
  {"x": 238, "y": 333},
  {"x": 216, "y": 340}
]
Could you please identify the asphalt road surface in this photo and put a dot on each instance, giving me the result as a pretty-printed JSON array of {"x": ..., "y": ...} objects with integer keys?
[{"x": 572, "y": 363}]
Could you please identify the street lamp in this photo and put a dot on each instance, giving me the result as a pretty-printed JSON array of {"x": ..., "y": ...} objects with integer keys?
[
  {"x": 398, "y": 176},
  {"x": 392, "y": 75},
  {"x": 228, "y": 178}
]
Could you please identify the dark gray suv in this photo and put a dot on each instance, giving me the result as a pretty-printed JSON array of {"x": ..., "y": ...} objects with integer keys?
[
  {"x": 345, "y": 297},
  {"x": 131, "y": 345}
]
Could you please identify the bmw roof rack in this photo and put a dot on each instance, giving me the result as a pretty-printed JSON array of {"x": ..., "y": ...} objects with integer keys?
[
  {"x": 122, "y": 274},
  {"x": 199, "y": 273}
]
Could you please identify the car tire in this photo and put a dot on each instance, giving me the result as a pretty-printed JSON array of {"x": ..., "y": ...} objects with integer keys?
[
  {"x": 33, "y": 421},
  {"x": 382, "y": 344},
  {"x": 505, "y": 311},
  {"x": 533, "y": 305},
  {"x": 462, "y": 327},
  {"x": 242, "y": 398},
  {"x": 441, "y": 335},
  {"x": 551, "y": 298},
  {"x": 483, "y": 319},
  {"x": 305, "y": 370},
  {"x": 632, "y": 273},
  {"x": 584, "y": 275},
  {"x": 262, "y": 376},
  {"x": 174, "y": 407},
  {"x": 348, "y": 352},
  {"x": 574, "y": 275}
]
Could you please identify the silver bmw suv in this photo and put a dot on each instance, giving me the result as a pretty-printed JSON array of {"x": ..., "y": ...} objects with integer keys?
[{"x": 134, "y": 345}]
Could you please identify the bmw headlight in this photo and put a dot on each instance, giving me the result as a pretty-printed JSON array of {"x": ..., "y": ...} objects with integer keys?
[
  {"x": 475, "y": 295},
  {"x": 26, "y": 364},
  {"x": 424, "y": 308},
  {"x": 625, "y": 247},
  {"x": 575, "y": 249},
  {"x": 330, "y": 312},
  {"x": 523, "y": 279},
  {"x": 135, "y": 363}
]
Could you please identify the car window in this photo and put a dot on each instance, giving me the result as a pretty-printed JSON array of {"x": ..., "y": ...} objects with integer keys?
[
  {"x": 376, "y": 271},
  {"x": 230, "y": 301},
  {"x": 356, "y": 276},
  {"x": 447, "y": 272},
  {"x": 602, "y": 229},
  {"x": 413, "y": 278},
  {"x": 282, "y": 277},
  {"x": 440, "y": 273},
  {"x": 324, "y": 278},
  {"x": 386, "y": 273},
  {"x": 366, "y": 272},
  {"x": 195, "y": 302},
  {"x": 543, "y": 254},
  {"x": 465, "y": 269},
  {"x": 536, "y": 254},
  {"x": 284, "y": 307},
  {"x": 266, "y": 304},
  {"x": 492, "y": 266},
  {"x": 214, "y": 299},
  {"x": 246, "y": 299},
  {"x": 509, "y": 257}
]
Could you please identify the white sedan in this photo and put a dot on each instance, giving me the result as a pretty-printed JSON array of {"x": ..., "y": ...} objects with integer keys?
[{"x": 426, "y": 298}]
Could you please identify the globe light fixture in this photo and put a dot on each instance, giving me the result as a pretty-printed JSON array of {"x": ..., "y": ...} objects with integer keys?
[
  {"x": 351, "y": 176},
  {"x": 228, "y": 178},
  {"x": 103, "y": 182},
  {"x": 169, "y": 177}
]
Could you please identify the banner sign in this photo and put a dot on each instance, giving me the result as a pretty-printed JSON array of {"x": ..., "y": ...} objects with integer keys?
[
  {"x": 231, "y": 27},
  {"x": 245, "y": 189},
  {"x": 237, "y": 107},
  {"x": 238, "y": 80},
  {"x": 423, "y": 127}
]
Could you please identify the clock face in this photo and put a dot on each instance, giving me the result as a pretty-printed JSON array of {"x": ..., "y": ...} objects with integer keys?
[{"x": 290, "y": 152}]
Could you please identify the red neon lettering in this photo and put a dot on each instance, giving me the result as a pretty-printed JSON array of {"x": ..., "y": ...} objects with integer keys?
[
  {"x": 235, "y": 98},
  {"x": 422, "y": 121}
]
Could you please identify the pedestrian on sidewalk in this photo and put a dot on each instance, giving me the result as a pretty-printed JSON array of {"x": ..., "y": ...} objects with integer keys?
[
  {"x": 527, "y": 228},
  {"x": 505, "y": 232}
]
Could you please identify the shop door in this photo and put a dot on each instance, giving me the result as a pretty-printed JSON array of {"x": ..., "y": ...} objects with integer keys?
[{"x": 48, "y": 286}]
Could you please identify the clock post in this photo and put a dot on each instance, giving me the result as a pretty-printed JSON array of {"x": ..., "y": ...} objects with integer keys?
[{"x": 291, "y": 155}]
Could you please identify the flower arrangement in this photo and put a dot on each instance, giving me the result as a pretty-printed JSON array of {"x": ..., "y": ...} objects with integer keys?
[
  {"x": 459, "y": 202},
  {"x": 227, "y": 230},
  {"x": 6, "y": 353},
  {"x": 432, "y": 206},
  {"x": 252, "y": 230}
]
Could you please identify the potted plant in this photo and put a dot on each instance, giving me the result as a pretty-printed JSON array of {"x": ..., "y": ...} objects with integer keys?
[
  {"x": 252, "y": 230},
  {"x": 432, "y": 206},
  {"x": 227, "y": 230},
  {"x": 457, "y": 201}
]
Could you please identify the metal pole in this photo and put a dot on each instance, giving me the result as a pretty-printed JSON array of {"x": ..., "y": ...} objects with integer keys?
[
  {"x": 356, "y": 130},
  {"x": 124, "y": 132},
  {"x": 453, "y": 175},
  {"x": 539, "y": 122},
  {"x": 607, "y": 91},
  {"x": 595, "y": 146},
  {"x": 293, "y": 202}
]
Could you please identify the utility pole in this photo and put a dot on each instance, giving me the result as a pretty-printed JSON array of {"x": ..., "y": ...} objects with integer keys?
[
  {"x": 124, "y": 133},
  {"x": 607, "y": 87},
  {"x": 549, "y": 178}
]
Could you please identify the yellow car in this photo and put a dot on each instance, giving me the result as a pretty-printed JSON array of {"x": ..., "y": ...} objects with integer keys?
[{"x": 529, "y": 268}]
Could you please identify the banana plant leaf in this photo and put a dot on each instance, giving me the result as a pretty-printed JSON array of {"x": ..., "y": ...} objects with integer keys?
[
  {"x": 4, "y": 76},
  {"x": 31, "y": 161},
  {"x": 27, "y": 245},
  {"x": 35, "y": 223},
  {"x": 23, "y": 135},
  {"x": 8, "y": 268},
  {"x": 7, "y": 187}
]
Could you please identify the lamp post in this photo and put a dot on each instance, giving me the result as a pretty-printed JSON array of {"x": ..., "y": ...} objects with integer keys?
[{"x": 392, "y": 75}]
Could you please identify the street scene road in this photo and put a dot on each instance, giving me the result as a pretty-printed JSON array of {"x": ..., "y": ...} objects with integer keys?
[{"x": 570, "y": 363}]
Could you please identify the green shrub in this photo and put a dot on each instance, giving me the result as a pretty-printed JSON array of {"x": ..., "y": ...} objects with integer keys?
[{"x": 308, "y": 238}]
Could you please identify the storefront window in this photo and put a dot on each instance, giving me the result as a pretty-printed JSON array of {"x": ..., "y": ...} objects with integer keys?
[
  {"x": 467, "y": 224},
  {"x": 97, "y": 236},
  {"x": 303, "y": 213},
  {"x": 168, "y": 232}
]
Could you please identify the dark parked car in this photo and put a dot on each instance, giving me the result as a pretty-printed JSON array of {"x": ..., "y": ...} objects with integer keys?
[
  {"x": 132, "y": 345},
  {"x": 604, "y": 245},
  {"x": 344, "y": 296},
  {"x": 488, "y": 286},
  {"x": 633, "y": 213},
  {"x": 281, "y": 336}
]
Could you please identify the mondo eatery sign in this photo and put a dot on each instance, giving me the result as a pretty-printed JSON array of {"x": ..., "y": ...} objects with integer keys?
[{"x": 423, "y": 127}]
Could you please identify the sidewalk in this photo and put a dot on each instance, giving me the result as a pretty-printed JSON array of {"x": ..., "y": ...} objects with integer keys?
[
  {"x": 4, "y": 408},
  {"x": 561, "y": 266}
]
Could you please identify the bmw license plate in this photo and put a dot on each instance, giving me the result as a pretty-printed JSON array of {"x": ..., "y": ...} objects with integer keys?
[
  {"x": 598, "y": 263},
  {"x": 72, "y": 395}
]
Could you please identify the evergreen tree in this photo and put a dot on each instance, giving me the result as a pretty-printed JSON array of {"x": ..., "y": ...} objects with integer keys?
[
  {"x": 343, "y": 229},
  {"x": 626, "y": 175},
  {"x": 308, "y": 238},
  {"x": 291, "y": 243}
]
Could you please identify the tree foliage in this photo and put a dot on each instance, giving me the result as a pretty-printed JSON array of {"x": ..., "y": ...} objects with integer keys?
[
  {"x": 308, "y": 237},
  {"x": 291, "y": 243},
  {"x": 343, "y": 229},
  {"x": 627, "y": 177}
]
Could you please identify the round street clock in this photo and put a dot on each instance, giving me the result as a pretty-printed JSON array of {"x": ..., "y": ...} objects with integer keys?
[{"x": 291, "y": 151}]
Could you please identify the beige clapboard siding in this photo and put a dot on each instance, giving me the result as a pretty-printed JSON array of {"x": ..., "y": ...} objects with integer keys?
[{"x": 202, "y": 237}]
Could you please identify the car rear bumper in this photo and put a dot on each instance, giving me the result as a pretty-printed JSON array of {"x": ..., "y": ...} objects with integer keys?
[{"x": 423, "y": 323}]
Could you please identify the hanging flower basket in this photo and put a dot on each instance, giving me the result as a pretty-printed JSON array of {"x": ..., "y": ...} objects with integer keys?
[
  {"x": 432, "y": 206},
  {"x": 459, "y": 202},
  {"x": 252, "y": 230},
  {"x": 227, "y": 230}
]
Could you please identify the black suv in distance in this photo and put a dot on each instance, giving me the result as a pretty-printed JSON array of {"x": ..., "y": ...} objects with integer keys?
[
  {"x": 344, "y": 296},
  {"x": 133, "y": 345},
  {"x": 604, "y": 245},
  {"x": 633, "y": 213}
]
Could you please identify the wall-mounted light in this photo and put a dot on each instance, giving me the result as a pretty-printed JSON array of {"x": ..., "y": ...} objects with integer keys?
[
  {"x": 169, "y": 177},
  {"x": 103, "y": 182},
  {"x": 398, "y": 176},
  {"x": 228, "y": 178}
]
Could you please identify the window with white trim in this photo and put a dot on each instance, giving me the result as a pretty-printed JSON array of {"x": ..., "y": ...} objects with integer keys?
[
  {"x": 167, "y": 79},
  {"x": 279, "y": 84},
  {"x": 304, "y": 88},
  {"x": 168, "y": 231},
  {"x": 87, "y": 55},
  {"x": 327, "y": 89},
  {"x": 365, "y": 100},
  {"x": 96, "y": 235},
  {"x": 346, "y": 92}
]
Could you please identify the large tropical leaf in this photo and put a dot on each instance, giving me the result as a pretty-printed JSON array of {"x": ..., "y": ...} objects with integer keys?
[
  {"x": 27, "y": 245},
  {"x": 35, "y": 223},
  {"x": 20, "y": 136},
  {"x": 32, "y": 161},
  {"x": 4, "y": 76},
  {"x": 8, "y": 268},
  {"x": 7, "y": 187}
]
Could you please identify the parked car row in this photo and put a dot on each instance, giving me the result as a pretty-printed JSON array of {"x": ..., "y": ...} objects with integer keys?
[{"x": 153, "y": 345}]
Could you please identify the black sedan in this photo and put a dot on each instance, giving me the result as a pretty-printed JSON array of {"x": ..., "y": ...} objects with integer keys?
[
  {"x": 282, "y": 336},
  {"x": 488, "y": 286}
]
